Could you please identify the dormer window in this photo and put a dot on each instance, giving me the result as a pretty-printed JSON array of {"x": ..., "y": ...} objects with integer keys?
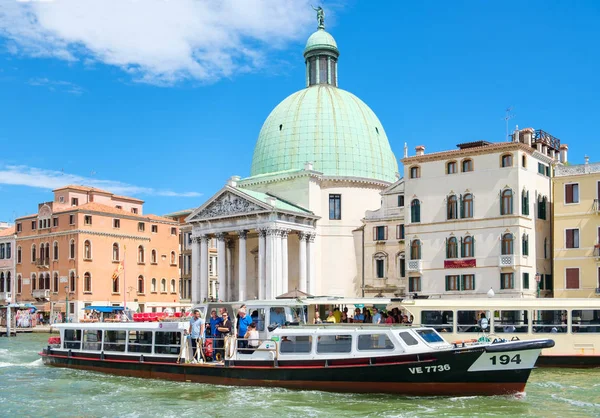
[
  {"x": 134, "y": 211},
  {"x": 74, "y": 201}
]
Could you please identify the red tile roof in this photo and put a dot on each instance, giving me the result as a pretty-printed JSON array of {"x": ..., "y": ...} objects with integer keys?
[{"x": 8, "y": 231}]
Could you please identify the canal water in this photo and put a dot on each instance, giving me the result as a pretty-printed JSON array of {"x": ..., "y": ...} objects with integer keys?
[{"x": 30, "y": 389}]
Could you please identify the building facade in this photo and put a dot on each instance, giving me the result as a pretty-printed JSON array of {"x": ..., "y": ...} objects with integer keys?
[
  {"x": 577, "y": 230},
  {"x": 478, "y": 218},
  {"x": 7, "y": 264},
  {"x": 383, "y": 261},
  {"x": 91, "y": 247}
]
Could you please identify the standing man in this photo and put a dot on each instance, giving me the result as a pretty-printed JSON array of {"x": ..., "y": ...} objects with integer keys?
[
  {"x": 243, "y": 322},
  {"x": 196, "y": 331},
  {"x": 376, "y": 316}
]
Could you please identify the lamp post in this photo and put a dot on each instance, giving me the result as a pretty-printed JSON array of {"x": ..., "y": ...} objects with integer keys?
[{"x": 66, "y": 304}]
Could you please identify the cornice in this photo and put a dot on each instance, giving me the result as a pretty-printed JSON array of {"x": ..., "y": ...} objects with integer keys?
[
  {"x": 458, "y": 153},
  {"x": 82, "y": 231}
]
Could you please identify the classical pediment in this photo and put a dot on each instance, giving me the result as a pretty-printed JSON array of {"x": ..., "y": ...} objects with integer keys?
[{"x": 226, "y": 203}]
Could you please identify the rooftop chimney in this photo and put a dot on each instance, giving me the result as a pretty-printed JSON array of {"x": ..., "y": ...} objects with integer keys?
[
  {"x": 587, "y": 160},
  {"x": 420, "y": 149},
  {"x": 516, "y": 134},
  {"x": 405, "y": 150},
  {"x": 527, "y": 135},
  {"x": 233, "y": 181},
  {"x": 563, "y": 153}
]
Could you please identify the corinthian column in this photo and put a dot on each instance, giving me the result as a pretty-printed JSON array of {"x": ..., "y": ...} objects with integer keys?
[
  {"x": 204, "y": 267},
  {"x": 221, "y": 267},
  {"x": 262, "y": 233},
  {"x": 311, "y": 264},
  {"x": 284, "y": 260},
  {"x": 242, "y": 265},
  {"x": 302, "y": 265},
  {"x": 195, "y": 296}
]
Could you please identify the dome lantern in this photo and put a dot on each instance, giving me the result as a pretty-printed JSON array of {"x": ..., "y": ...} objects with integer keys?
[{"x": 321, "y": 55}]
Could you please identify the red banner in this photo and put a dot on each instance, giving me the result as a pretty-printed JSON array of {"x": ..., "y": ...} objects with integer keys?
[{"x": 457, "y": 264}]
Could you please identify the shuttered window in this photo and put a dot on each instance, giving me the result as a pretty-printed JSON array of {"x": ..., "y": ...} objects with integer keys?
[
  {"x": 571, "y": 193},
  {"x": 525, "y": 280},
  {"x": 380, "y": 233},
  {"x": 572, "y": 238},
  {"x": 572, "y": 278}
]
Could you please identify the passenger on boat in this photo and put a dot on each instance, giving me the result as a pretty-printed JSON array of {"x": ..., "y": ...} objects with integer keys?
[
  {"x": 376, "y": 316},
  {"x": 389, "y": 319},
  {"x": 337, "y": 314},
  {"x": 330, "y": 317},
  {"x": 483, "y": 323},
  {"x": 244, "y": 321},
  {"x": 253, "y": 341},
  {"x": 317, "y": 319},
  {"x": 277, "y": 316},
  {"x": 195, "y": 331},
  {"x": 224, "y": 329},
  {"x": 358, "y": 317},
  {"x": 214, "y": 323},
  {"x": 367, "y": 314},
  {"x": 345, "y": 318}
]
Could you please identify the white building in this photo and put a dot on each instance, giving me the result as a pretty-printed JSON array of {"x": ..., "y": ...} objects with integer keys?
[
  {"x": 321, "y": 160},
  {"x": 7, "y": 264},
  {"x": 479, "y": 217}
]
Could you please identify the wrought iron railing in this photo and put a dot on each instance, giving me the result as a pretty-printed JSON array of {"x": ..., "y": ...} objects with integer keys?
[{"x": 547, "y": 139}]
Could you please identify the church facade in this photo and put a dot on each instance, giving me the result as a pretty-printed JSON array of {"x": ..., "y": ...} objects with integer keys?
[{"x": 321, "y": 160}]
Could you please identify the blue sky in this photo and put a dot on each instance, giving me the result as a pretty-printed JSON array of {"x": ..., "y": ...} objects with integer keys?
[{"x": 165, "y": 101}]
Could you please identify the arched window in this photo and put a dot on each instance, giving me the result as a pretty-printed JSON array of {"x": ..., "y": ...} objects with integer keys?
[
  {"x": 401, "y": 264},
  {"x": 451, "y": 167},
  {"x": 33, "y": 253},
  {"x": 173, "y": 257},
  {"x": 507, "y": 244},
  {"x": 33, "y": 282},
  {"x": 87, "y": 282},
  {"x": 468, "y": 249},
  {"x": 507, "y": 160},
  {"x": 163, "y": 285},
  {"x": 415, "y": 211},
  {"x": 173, "y": 286},
  {"x": 72, "y": 249},
  {"x": 452, "y": 248},
  {"x": 467, "y": 206},
  {"x": 115, "y": 285},
  {"x": 55, "y": 284},
  {"x": 87, "y": 250},
  {"x": 542, "y": 200},
  {"x": 55, "y": 250},
  {"x": 525, "y": 244},
  {"x": 525, "y": 202},
  {"x": 8, "y": 282},
  {"x": 47, "y": 282},
  {"x": 140, "y": 254},
  {"x": 380, "y": 261},
  {"x": 467, "y": 165},
  {"x": 153, "y": 286},
  {"x": 452, "y": 207},
  {"x": 115, "y": 252},
  {"x": 140, "y": 285},
  {"x": 524, "y": 161},
  {"x": 506, "y": 202},
  {"x": 153, "y": 257},
  {"x": 19, "y": 284},
  {"x": 415, "y": 249},
  {"x": 19, "y": 255},
  {"x": 415, "y": 172},
  {"x": 72, "y": 282},
  {"x": 2, "y": 282}
]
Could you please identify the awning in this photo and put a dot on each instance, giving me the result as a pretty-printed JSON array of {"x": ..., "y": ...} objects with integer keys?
[{"x": 104, "y": 309}]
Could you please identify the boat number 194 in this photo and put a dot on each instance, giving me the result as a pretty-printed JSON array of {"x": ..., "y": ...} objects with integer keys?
[{"x": 505, "y": 359}]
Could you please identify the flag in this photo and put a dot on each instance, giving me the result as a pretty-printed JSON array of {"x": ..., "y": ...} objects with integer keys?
[{"x": 118, "y": 271}]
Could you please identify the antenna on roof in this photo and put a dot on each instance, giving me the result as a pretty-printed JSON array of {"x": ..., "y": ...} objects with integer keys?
[{"x": 508, "y": 117}]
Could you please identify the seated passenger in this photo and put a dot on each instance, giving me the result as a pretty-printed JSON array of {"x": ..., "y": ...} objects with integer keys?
[{"x": 252, "y": 337}]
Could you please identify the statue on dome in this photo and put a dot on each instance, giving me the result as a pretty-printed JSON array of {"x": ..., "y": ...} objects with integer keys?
[{"x": 320, "y": 16}]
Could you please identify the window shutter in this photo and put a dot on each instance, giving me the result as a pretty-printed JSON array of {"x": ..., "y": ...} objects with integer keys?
[
  {"x": 501, "y": 210},
  {"x": 447, "y": 249},
  {"x": 526, "y": 203},
  {"x": 569, "y": 193},
  {"x": 511, "y": 203},
  {"x": 385, "y": 233},
  {"x": 447, "y": 283},
  {"x": 570, "y": 238},
  {"x": 462, "y": 208},
  {"x": 525, "y": 280},
  {"x": 374, "y": 233},
  {"x": 573, "y": 278},
  {"x": 460, "y": 285},
  {"x": 462, "y": 247}
]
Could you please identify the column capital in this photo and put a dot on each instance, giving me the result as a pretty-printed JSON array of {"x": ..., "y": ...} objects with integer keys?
[
  {"x": 221, "y": 236},
  {"x": 243, "y": 234},
  {"x": 205, "y": 238},
  {"x": 262, "y": 232},
  {"x": 285, "y": 233},
  {"x": 196, "y": 240},
  {"x": 274, "y": 231},
  {"x": 310, "y": 237}
]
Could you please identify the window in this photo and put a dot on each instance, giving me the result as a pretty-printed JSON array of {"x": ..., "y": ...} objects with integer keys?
[
  {"x": 119, "y": 207},
  {"x": 141, "y": 227},
  {"x": 467, "y": 165},
  {"x": 415, "y": 249},
  {"x": 153, "y": 286},
  {"x": 380, "y": 267},
  {"x": 87, "y": 282},
  {"x": 511, "y": 321},
  {"x": 402, "y": 265},
  {"x": 55, "y": 251},
  {"x": 400, "y": 231},
  {"x": 2, "y": 253},
  {"x": 173, "y": 231},
  {"x": 19, "y": 255},
  {"x": 572, "y": 278},
  {"x": 33, "y": 254},
  {"x": 466, "y": 208},
  {"x": 72, "y": 339},
  {"x": 571, "y": 193},
  {"x": 116, "y": 223},
  {"x": 468, "y": 282},
  {"x": 524, "y": 161},
  {"x": 115, "y": 252},
  {"x": 506, "y": 202},
  {"x": 415, "y": 211},
  {"x": 33, "y": 282},
  {"x": 452, "y": 283},
  {"x": 415, "y": 172},
  {"x": 451, "y": 247},
  {"x": 451, "y": 167},
  {"x": 401, "y": 201},
  {"x": 173, "y": 258},
  {"x": 525, "y": 281},
  {"x": 297, "y": 344},
  {"x": 55, "y": 222},
  {"x": 572, "y": 238},
  {"x": 333, "y": 344},
  {"x": 72, "y": 282},
  {"x": 134, "y": 211},
  {"x": 114, "y": 341},
  {"x": 167, "y": 342},
  {"x": 19, "y": 227},
  {"x": 550, "y": 321},
  {"x": 153, "y": 257},
  {"x": 56, "y": 283},
  {"x": 541, "y": 169},
  {"x": 507, "y": 244},
  {"x": 468, "y": 247},
  {"x": 72, "y": 249},
  {"x": 586, "y": 320},
  {"x": 163, "y": 285},
  {"x": 335, "y": 206},
  {"x": 525, "y": 202},
  {"x": 441, "y": 321},
  {"x": 380, "y": 233},
  {"x": 140, "y": 254},
  {"x": 525, "y": 244},
  {"x": 507, "y": 281},
  {"x": 139, "y": 342},
  {"x": 367, "y": 342},
  {"x": 452, "y": 207},
  {"x": 408, "y": 338},
  {"x": 33, "y": 224},
  {"x": 173, "y": 286},
  {"x": 154, "y": 229},
  {"x": 140, "y": 285},
  {"x": 19, "y": 284},
  {"x": 542, "y": 200},
  {"x": 507, "y": 160},
  {"x": 115, "y": 284},
  {"x": 74, "y": 201},
  {"x": 87, "y": 250},
  {"x": 71, "y": 219},
  {"x": 414, "y": 284},
  {"x": 87, "y": 219}
]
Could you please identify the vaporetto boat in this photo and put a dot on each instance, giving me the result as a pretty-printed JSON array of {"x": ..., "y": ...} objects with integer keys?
[{"x": 408, "y": 360}]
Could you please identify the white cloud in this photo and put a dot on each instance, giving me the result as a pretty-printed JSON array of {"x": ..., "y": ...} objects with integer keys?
[
  {"x": 19, "y": 175},
  {"x": 56, "y": 85},
  {"x": 157, "y": 41}
]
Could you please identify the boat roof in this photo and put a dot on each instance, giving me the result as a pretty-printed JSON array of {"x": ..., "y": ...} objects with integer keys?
[{"x": 141, "y": 326}]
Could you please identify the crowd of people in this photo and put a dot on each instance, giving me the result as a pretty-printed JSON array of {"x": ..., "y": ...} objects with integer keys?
[{"x": 368, "y": 316}]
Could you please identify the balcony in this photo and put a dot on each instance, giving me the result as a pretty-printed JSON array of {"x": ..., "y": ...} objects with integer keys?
[
  {"x": 414, "y": 266},
  {"x": 5, "y": 297},
  {"x": 41, "y": 294},
  {"x": 42, "y": 263},
  {"x": 506, "y": 260}
]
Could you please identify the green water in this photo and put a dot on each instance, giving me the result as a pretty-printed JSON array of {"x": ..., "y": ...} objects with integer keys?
[{"x": 28, "y": 388}]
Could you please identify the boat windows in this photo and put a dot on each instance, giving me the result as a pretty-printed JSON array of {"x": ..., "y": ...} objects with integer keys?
[
  {"x": 511, "y": 321},
  {"x": 408, "y": 338},
  {"x": 114, "y": 340},
  {"x": 473, "y": 321},
  {"x": 73, "y": 339},
  {"x": 334, "y": 344},
  {"x": 441, "y": 321},
  {"x": 258, "y": 317},
  {"x": 277, "y": 316},
  {"x": 166, "y": 342},
  {"x": 295, "y": 344},
  {"x": 551, "y": 321},
  {"x": 374, "y": 342},
  {"x": 139, "y": 342},
  {"x": 585, "y": 320},
  {"x": 429, "y": 336},
  {"x": 92, "y": 339}
]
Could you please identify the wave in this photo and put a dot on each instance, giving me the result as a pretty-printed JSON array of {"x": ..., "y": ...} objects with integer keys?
[
  {"x": 35, "y": 363},
  {"x": 574, "y": 402}
]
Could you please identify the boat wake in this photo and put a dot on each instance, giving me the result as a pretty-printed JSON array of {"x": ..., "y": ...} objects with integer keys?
[
  {"x": 574, "y": 402},
  {"x": 35, "y": 363}
]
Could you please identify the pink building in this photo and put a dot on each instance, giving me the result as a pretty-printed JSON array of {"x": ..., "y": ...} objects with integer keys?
[{"x": 7, "y": 264}]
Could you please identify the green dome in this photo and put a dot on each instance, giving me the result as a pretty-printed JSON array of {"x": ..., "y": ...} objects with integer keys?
[
  {"x": 320, "y": 40},
  {"x": 329, "y": 127}
]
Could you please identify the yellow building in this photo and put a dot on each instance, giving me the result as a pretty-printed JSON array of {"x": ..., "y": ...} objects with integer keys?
[{"x": 576, "y": 190}]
